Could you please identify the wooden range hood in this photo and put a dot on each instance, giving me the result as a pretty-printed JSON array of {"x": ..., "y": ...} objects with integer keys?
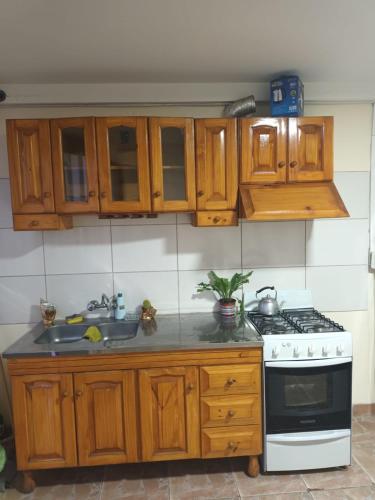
[{"x": 309, "y": 200}]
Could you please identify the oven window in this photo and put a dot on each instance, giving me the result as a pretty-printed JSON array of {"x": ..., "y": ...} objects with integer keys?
[
  {"x": 299, "y": 399},
  {"x": 307, "y": 391}
]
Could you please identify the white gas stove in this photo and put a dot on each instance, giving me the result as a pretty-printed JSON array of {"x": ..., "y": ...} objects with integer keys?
[{"x": 307, "y": 390}]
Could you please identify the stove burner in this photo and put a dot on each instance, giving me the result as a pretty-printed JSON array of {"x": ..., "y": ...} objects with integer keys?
[{"x": 292, "y": 321}]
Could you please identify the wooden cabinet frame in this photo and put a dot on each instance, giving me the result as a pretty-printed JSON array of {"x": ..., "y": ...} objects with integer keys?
[{"x": 62, "y": 205}]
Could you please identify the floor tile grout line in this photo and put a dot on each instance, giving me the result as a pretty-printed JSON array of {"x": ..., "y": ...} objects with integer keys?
[{"x": 362, "y": 467}]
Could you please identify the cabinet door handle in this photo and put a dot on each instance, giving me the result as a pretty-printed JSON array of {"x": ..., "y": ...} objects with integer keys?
[
  {"x": 293, "y": 164},
  {"x": 281, "y": 164},
  {"x": 190, "y": 387},
  {"x": 231, "y": 413},
  {"x": 216, "y": 220},
  {"x": 65, "y": 394},
  {"x": 78, "y": 394},
  {"x": 47, "y": 194},
  {"x": 103, "y": 194},
  {"x": 232, "y": 445},
  {"x": 200, "y": 193},
  {"x": 34, "y": 223},
  {"x": 231, "y": 381},
  {"x": 92, "y": 194},
  {"x": 157, "y": 194}
]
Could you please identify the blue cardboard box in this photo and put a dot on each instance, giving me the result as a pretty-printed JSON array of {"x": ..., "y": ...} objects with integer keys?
[{"x": 287, "y": 96}]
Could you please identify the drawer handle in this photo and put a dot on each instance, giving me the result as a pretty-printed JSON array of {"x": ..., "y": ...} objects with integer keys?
[
  {"x": 216, "y": 219},
  {"x": 293, "y": 164},
  {"x": 232, "y": 445},
  {"x": 92, "y": 194},
  {"x": 34, "y": 223},
  {"x": 231, "y": 413},
  {"x": 231, "y": 381}
]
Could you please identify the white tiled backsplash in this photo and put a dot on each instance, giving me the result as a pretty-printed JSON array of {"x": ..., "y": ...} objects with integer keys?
[{"x": 163, "y": 259}]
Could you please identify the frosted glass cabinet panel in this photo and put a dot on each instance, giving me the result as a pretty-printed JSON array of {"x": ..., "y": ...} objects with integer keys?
[
  {"x": 74, "y": 165},
  {"x": 172, "y": 164},
  {"x": 124, "y": 166}
]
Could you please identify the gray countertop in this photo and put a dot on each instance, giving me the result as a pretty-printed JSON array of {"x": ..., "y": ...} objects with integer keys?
[{"x": 166, "y": 332}]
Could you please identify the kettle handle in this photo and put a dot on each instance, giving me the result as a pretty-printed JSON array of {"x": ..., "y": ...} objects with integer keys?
[{"x": 266, "y": 288}]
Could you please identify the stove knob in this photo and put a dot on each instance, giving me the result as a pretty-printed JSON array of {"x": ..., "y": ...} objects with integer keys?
[
  {"x": 275, "y": 352},
  {"x": 296, "y": 352},
  {"x": 325, "y": 350},
  {"x": 340, "y": 350},
  {"x": 310, "y": 350}
]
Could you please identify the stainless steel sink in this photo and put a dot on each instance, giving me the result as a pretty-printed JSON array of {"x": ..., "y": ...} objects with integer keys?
[
  {"x": 119, "y": 330},
  {"x": 62, "y": 334},
  {"x": 111, "y": 331}
]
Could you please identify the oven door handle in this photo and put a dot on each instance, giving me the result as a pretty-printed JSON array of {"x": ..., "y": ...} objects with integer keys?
[
  {"x": 307, "y": 363},
  {"x": 311, "y": 436}
]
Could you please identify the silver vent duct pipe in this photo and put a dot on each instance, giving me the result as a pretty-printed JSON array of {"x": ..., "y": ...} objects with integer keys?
[{"x": 242, "y": 107}]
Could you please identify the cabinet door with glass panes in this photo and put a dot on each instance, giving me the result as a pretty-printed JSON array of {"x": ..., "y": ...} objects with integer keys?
[
  {"x": 172, "y": 164},
  {"x": 74, "y": 165},
  {"x": 124, "y": 171}
]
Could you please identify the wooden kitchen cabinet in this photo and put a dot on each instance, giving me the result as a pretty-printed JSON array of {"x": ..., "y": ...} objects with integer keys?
[
  {"x": 105, "y": 416},
  {"x": 74, "y": 162},
  {"x": 43, "y": 413},
  {"x": 169, "y": 414},
  {"x": 30, "y": 167},
  {"x": 124, "y": 169},
  {"x": 310, "y": 142},
  {"x": 172, "y": 164},
  {"x": 264, "y": 150},
  {"x": 279, "y": 150}
]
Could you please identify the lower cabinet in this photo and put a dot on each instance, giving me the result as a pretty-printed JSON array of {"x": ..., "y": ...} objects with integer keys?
[
  {"x": 137, "y": 410},
  {"x": 105, "y": 417},
  {"x": 169, "y": 405},
  {"x": 43, "y": 413}
]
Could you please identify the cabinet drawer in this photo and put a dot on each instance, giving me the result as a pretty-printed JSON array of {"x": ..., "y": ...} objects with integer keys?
[
  {"x": 231, "y": 441},
  {"x": 42, "y": 222},
  {"x": 230, "y": 379},
  {"x": 218, "y": 411},
  {"x": 216, "y": 218}
]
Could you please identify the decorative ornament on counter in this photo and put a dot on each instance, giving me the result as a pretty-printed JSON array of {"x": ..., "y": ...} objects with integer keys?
[
  {"x": 48, "y": 311},
  {"x": 148, "y": 312}
]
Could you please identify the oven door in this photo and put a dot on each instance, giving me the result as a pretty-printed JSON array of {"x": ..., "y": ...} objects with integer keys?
[{"x": 307, "y": 395}]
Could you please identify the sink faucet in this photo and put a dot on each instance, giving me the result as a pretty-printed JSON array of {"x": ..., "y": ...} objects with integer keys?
[{"x": 106, "y": 303}]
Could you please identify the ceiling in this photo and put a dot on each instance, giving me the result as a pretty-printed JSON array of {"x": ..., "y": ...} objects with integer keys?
[{"x": 51, "y": 41}]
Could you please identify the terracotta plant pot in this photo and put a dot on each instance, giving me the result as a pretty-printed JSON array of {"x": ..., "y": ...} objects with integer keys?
[{"x": 227, "y": 307}]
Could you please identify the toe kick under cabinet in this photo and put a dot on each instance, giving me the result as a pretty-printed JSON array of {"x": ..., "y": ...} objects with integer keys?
[{"x": 137, "y": 407}]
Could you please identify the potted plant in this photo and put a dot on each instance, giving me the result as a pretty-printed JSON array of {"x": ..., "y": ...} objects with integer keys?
[{"x": 225, "y": 289}]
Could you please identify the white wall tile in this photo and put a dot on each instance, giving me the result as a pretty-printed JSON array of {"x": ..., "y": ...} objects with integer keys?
[
  {"x": 79, "y": 250},
  {"x": 354, "y": 191},
  {"x": 140, "y": 248},
  {"x": 145, "y": 221},
  {"x": 273, "y": 244},
  {"x": 338, "y": 288},
  {"x": 20, "y": 298},
  {"x": 89, "y": 220},
  {"x": 190, "y": 300},
  {"x": 337, "y": 242},
  {"x": 208, "y": 247},
  {"x": 158, "y": 287},
  {"x": 71, "y": 293},
  {"x": 5, "y": 204},
  {"x": 21, "y": 253}
]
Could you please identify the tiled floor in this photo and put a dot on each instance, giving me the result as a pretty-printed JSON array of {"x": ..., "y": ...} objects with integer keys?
[{"x": 213, "y": 479}]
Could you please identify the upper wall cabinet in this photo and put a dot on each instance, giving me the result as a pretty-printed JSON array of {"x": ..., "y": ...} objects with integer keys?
[
  {"x": 311, "y": 149},
  {"x": 263, "y": 150},
  {"x": 172, "y": 164},
  {"x": 279, "y": 150},
  {"x": 217, "y": 167},
  {"x": 123, "y": 164},
  {"x": 30, "y": 170},
  {"x": 74, "y": 165}
]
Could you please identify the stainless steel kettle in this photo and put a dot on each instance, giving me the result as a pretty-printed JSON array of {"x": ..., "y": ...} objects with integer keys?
[{"x": 268, "y": 305}]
